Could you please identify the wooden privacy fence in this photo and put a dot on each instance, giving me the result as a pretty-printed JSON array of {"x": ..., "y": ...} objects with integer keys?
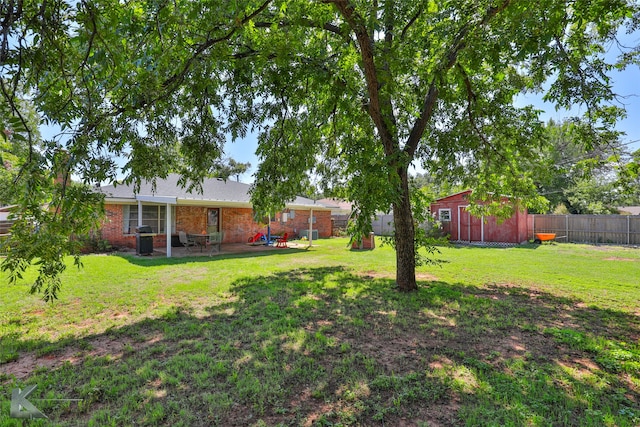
[
  {"x": 607, "y": 229},
  {"x": 5, "y": 226},
  {"x": 382, "y": 224},
  {"x": 339, "y": 224}
]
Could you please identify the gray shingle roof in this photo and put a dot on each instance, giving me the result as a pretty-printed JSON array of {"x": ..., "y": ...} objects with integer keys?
[
  {"x": 214, "y": 190},
  {"x": 337, "y": 206}
]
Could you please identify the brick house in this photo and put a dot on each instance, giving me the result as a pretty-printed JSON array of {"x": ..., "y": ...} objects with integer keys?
[{"x": 222, "y": 206}]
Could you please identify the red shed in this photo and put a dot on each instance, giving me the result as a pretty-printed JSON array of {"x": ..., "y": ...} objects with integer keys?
[{"x": 460, "y": 225}]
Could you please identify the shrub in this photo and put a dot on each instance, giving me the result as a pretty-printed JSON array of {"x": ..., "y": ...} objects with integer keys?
[{"x": 94, "y": 243}]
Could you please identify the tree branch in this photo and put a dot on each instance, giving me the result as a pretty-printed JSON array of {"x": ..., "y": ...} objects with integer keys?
[
  {"x": 328, "y": 26},
  {"x": 449, "y": 60},
  {"x": 577, "y": 70},
  {"x": 11, "y": 13},
  {"x": 171, "y": 83},
  {"x": 410, "y": 23},
  {"x": 471, "y": 99},
  {"x": 371, "y": 73},
  {"x": 179, "y": 77},
  {"x": 94, "y": 31}
]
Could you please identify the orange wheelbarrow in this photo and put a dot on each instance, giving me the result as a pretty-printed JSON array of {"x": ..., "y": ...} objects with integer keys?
[{"x": 544, "y": 237}]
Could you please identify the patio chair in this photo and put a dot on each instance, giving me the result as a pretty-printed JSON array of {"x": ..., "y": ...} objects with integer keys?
[
  {"x": 185, "y": 241},
  {"x": 281, "y": 242},
  {"x": 215, "y": 241}
]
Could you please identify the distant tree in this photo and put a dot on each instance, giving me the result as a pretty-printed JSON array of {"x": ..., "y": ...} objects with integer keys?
[
  {"x": 238, "y": 168},
  {"x": 436, "y": 188},
  {"x": 578, "y": 169},
  {"x": 228, "y": 167},
  {"x": 629, "y": 179}
]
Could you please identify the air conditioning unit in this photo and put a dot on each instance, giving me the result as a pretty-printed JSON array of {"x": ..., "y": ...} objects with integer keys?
[{"x": 305, "y": 233}]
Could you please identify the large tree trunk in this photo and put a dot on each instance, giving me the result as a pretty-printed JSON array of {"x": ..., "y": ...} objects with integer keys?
[{"x": 404, "y": 236}]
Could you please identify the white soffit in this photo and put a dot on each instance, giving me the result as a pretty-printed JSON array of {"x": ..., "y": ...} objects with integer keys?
[{"x": 157, "y": 199}]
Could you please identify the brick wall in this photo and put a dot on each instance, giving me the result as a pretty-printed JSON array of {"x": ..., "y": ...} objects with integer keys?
[
  {"x": 191, "y": 219},
  {"x": 112, "y": 228},
  {"x": 236, "y": 223}
]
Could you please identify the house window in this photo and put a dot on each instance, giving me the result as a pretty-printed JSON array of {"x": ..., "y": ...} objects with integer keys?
[
  {"x": 154, "y": 216},
  {"x": 444, "y": 215}
]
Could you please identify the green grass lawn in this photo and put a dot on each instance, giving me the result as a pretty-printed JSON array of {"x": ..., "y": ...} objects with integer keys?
[{"x": 534, "y": 335}]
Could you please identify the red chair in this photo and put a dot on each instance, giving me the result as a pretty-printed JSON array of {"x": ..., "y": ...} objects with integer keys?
[
  {"x": 255, "y": 238},
  {"x": 281, "y": 242}
]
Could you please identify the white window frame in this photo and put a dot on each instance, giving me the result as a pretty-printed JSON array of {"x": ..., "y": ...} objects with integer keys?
[
  {"x": 158, "y": 224},
  {"x": 444, "y": 215}
]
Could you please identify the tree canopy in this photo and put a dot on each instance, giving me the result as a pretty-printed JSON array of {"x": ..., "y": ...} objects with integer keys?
[
  {"x": 578, "y": 171},
  {"x": 348, "y": 92}
]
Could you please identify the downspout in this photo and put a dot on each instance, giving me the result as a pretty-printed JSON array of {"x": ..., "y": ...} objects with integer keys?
[
  {"x": 168, "y": 230},
  {"x": 459, "y": 223},
  {"x": 310, "y": 227}
]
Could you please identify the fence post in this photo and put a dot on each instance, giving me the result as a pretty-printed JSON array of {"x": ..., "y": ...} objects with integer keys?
[
  {"x": 628, "y": 230},
  {"x": 534, "y": 227},
  {"x": 566, "y": 228}
]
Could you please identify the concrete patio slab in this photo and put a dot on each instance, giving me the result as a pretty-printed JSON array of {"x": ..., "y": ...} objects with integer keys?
[{"x": 226, "y": 248}]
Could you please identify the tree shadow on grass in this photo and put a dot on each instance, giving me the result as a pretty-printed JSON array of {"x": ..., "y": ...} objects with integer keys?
[
  {"x": 324, "y": 346},
  {"x": 163, "y": 260}
]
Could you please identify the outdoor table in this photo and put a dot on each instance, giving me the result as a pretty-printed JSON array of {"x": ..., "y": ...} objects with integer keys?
[{"x": 199, "y": 239}]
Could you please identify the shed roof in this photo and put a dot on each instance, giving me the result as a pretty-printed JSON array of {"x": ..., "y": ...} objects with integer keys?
[
  {"x": 214, "y": 191},
  {"x": 454, "y": 196}
]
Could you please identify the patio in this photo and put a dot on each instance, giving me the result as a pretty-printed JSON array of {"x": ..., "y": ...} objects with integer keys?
[{"x": 226, "y": 249}]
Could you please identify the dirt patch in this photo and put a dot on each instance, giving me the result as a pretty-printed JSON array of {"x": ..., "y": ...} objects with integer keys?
[{"x": 101, "y": 346}]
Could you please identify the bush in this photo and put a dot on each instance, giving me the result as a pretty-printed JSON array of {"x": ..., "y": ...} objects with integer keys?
[
  {"x": 3, "y": 242},
  {"x": 94, "y": 243},
  {"x": 340, "y": 232}
]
